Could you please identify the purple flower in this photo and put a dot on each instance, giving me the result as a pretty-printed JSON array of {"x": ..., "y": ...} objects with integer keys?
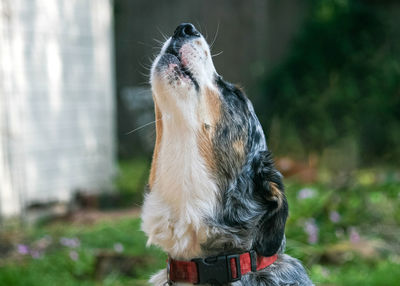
[
  {"x": 334, "y": 216},
  {"x": 73, "y": 255},
  {"x": 70, "y": 242},
  {"x": 312, "y": 230},
  {"x": 354, "y": 235},
  {"x": 23, "y": 249},
  {"x": 306, "y": 193},
  {"x": 118, "y": 247}
]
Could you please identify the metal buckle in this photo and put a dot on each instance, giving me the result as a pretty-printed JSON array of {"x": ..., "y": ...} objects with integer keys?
[{"x": 217, "y": 270}]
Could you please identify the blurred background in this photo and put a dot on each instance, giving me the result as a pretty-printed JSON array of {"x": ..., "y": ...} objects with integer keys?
[{"x": 76, "y": 143}]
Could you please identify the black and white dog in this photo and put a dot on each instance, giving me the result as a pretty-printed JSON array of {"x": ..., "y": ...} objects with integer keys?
[{"x": 216, "y": 203}]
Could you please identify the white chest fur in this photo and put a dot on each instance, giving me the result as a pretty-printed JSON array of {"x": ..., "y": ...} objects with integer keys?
[{"x": 183, "y": 194}]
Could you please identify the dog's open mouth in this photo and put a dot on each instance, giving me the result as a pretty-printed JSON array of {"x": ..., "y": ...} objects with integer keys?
[
  {"x": 180, "y": 69},
  {"x": 175, "y": 63}
]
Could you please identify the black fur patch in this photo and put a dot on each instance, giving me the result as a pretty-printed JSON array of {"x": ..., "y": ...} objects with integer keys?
[
  {"x": 248, "y": 215},
  {"x": 272, "y": 225}
]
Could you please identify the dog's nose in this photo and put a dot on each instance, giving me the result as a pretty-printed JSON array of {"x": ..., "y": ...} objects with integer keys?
[{"x": 185, "y": 30}]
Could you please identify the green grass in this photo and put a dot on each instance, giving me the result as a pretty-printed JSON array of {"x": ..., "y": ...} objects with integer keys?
[
  {"x": 383, "y": 273},
  {"x": 55, "y": 266},
  {"x": 356, "y": 237}
]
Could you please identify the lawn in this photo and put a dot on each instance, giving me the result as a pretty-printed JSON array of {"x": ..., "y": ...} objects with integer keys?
[
  {"x": 57, "y": 254},
  {"x": 344, "y": 236}
]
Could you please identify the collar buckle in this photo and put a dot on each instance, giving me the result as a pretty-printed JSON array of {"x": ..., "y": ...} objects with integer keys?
[{"x": 217, "y": 270}]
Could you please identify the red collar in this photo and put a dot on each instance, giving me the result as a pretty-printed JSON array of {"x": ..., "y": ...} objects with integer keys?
[{"x": 217, "y": 270}]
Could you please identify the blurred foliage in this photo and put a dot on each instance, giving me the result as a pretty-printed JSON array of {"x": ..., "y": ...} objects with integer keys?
[
  {"x": 342, "y": 79},
  {"x": 132, "y": 178},
  {"x": 346, "y": 236}
]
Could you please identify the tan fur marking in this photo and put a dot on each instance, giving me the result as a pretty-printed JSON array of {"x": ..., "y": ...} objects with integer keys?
[
  {"x": 238, "y": 146},
  {"x": 206, "y": 148},
  {"x": 213, "y": 105},
  {"x": 209, "y": 115},
  {"x": 276, "y": 194},
  {"x": 156, "y": 146}
]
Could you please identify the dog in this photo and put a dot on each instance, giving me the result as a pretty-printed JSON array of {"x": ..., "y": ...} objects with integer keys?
[{"x": 215, "y": 201}]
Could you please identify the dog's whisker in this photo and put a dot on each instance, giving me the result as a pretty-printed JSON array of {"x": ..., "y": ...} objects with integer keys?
[
  {"x": 143, "y": 126},
  {"x": 148, "y": 67},
  {"x": 144, "y": 91},
  {"x": 146, "y": 75},
  {"x": 159, "y": 42},
  {"x": 217, "y": 54},
  {"x": 200, "y": 27},
  {"x": 215, "y": 37},
  {"x": 144, "y": 44},
  {"x": 162, "y": 34}
]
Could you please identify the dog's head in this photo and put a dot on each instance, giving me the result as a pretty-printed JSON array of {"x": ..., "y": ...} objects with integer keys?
[{"x": 192, "y": 96}]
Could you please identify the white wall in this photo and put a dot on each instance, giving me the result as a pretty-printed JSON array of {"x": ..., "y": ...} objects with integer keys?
[{"x": 57, "y": 99}]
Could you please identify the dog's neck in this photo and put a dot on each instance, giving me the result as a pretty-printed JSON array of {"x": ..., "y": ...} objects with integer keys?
[
  {"x": 183, "y": 193},
  {"x": 181, "y": 172}
]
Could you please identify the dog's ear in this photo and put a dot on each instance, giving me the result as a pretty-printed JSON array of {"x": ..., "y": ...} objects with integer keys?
[{"x": 268, "y": 190}]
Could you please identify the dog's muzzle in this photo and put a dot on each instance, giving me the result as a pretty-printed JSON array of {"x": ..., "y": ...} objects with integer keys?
[{"x": 171, "y": 58}]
